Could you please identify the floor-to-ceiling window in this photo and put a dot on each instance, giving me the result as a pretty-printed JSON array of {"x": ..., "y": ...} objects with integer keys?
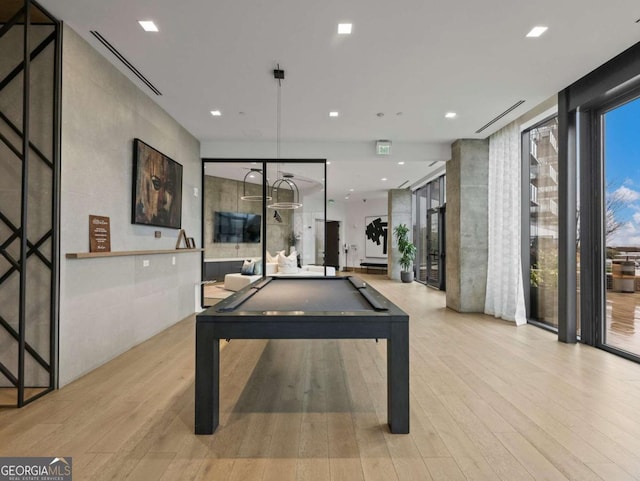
[
  {"x": 621, "y": 162},
  {"x": 540, "y": 167},
  {"x": 599, "y": 206}
]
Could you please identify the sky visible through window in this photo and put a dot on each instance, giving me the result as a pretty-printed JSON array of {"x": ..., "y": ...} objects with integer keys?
[{"x": 622, "y": 174}]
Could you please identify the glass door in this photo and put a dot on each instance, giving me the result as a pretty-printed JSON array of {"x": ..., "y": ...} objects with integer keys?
[
  {"x": 621, "y": 221},
  {"x": 435, "y": 247},
  {"x": 422, "y": 262}
]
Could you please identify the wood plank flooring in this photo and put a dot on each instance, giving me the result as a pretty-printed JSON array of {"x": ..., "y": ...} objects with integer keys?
[{"x": 489, "y": 401}]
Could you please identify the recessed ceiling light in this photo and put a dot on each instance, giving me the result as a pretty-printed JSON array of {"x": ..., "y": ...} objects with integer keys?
[
  {"x": 344, "y": 28},
  {"x": 383, "y": 179},
  {"x": 401, "y": 163},
  {"x": 328, "y": 162},
  {"x": 334, "y": 114},
  {"x": 350, "y": 190},
  {"x": 450, "y": 115},
  {"x": 536, "y": 31},
  {"x": 216, "y": 113},
  {"x": 148, "y": 25}
]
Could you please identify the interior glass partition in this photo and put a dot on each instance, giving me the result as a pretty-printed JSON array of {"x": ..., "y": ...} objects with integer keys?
[
  {"x": 29, "y": 182},
  {"x": 240, "y": 229},
  {"x": 621, "y": 150},
  {"x": 232, "y": 225},
  {"x": 296, "y": 215}
]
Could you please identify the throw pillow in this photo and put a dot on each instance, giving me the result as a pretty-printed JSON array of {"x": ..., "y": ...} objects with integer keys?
[
  {"x": 287, "y": 264},
  {"x": 247, "y": 268},
  {"x": 257, "y": 267},
  {"x": 272, "y": 259}
]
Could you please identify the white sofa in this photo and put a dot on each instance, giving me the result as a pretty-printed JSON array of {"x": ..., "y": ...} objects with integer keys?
[{"x": 236, "y": 281}]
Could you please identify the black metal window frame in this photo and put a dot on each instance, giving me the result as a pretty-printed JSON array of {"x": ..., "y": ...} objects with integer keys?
[{"x": 580, "y": 108}]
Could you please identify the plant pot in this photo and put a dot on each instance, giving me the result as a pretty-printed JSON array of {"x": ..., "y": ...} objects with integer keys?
[{"x": 406, "y": 276}]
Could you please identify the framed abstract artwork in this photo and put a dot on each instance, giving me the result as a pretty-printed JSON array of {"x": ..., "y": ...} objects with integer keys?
[
  {"x": 157, "y": 188},
  {"x": 375, "y": 231}
]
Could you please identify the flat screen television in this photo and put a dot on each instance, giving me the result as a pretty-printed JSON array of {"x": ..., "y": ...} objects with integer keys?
[{"x": 236, "y": 227}]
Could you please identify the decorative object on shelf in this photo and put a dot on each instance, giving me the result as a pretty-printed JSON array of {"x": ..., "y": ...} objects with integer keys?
[
  {"x": 375, "y": 231},
  {"x": 191, "y": 243},
  {"x": 284, "y": 180},
  {"x": 407, "y": 252},
  {"x": 157, "y": 188},
  {"x": 248, "y": 197},
  {"x": 182, "y": 237},
  {"x": 99, "y": 234}
]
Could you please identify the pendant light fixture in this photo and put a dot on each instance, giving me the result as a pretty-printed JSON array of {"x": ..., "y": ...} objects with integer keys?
[
  {"x": 285, "y": 181},
  {"x": 249, "y": 197}
]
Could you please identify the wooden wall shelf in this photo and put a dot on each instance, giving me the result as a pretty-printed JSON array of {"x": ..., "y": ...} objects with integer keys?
[{"x": 91, "y": 255}]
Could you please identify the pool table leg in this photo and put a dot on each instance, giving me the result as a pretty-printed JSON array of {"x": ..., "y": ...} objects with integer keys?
[
  {"x": 207, "y": 398},
  {"x": 398, "y": 378}
]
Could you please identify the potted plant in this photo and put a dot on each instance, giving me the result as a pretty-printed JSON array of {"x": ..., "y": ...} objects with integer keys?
[{"x": 407, "y": 252}]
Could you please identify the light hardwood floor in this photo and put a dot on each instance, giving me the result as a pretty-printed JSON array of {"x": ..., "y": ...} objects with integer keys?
[{"x": 489, "y": 401}]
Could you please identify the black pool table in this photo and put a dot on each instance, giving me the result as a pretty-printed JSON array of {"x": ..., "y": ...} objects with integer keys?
[{"x": 302, "y": 308}]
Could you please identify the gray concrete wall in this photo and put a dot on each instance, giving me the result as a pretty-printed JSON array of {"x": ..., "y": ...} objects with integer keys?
[
  {"x": 223, "y": 195},
  {"x": 108, "y": 305},
  {"x": 466, "y": 225},
  {"x": 399, "y": 209}
]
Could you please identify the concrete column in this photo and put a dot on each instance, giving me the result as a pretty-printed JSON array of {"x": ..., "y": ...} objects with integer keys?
[
  {"x": 466, "y": 225},
  {"x": 399, "y": 213}
]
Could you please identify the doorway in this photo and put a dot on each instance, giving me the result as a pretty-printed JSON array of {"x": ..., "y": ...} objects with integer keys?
[
  {"x": 332, "y": 244},
  {"x": 435, "y": 247}
]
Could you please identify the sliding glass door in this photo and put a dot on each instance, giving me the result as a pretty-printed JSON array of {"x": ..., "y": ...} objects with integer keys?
[{"x": 621, "y": 221}]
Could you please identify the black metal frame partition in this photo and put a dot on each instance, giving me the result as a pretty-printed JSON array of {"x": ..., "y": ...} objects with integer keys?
[
  {"x": 32, "y": 248},
  {"x": 263, "y": 164},
  {"x": 579, "y": 108}
]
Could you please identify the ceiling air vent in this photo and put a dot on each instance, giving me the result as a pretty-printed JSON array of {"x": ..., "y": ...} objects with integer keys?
[
  {"x": 494, "y": 120},
  {"x": 127, "y": 64}
]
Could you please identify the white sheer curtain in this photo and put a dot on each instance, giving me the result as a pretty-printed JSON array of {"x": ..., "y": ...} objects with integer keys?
[{"x": 505, "y": 296}]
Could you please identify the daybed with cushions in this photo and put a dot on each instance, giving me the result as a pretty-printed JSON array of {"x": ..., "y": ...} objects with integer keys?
[{"x": 278, "y": 265}]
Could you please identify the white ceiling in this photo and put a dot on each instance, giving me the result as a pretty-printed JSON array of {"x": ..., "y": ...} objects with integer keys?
[{"x": 411, "y": 60}]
